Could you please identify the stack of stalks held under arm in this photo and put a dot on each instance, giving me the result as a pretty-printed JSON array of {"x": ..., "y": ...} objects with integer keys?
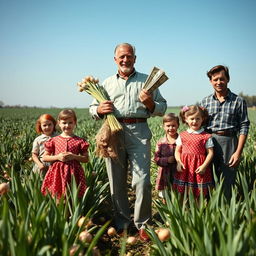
[{"x": 108, "y": 133}]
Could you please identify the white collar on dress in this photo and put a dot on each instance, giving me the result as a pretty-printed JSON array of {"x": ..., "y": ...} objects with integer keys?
[{"x": 195, "y": 132}]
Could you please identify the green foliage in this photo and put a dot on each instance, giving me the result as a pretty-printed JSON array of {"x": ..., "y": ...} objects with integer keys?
[
  {"x": 250, "y": 100},
  {"x": 212, "y": 227},
  {"x": 31, "y": 224}
]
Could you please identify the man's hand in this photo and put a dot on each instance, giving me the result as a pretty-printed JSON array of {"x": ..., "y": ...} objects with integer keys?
[
  {"x": 147, "y": 99},
  {"x": 234, "y": 160},
  {"x": 105, "y": 107}
]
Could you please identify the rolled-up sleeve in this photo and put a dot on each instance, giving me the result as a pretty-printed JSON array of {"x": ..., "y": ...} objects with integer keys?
[
  {"x": 160, "y": 104},
  {"x": 244, "y": 121}
]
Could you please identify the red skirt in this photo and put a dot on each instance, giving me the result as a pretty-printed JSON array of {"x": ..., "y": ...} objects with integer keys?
[
  {"x": 58, "y": 177},
  {"x": 189, "y": 179}
]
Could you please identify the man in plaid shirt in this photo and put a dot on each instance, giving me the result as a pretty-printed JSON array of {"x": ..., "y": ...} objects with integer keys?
[{"x": 229, "y": 125}]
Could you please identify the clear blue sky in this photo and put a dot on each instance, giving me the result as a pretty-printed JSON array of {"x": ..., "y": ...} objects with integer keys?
[{"x": 47, "y": 46}]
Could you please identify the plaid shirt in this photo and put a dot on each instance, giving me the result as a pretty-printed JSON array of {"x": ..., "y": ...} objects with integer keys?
[{"x": 230, "y": 114}]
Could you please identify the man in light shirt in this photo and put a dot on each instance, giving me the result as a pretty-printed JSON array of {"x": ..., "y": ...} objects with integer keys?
[{"x": 131, "y": 105}]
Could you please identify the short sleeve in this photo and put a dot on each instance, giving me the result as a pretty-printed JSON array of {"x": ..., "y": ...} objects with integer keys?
[
  {"x": 49, "y": 145},
  {"x": 209, "y": 143},
  {"x": 84, "y": 145},
  {"x": 178, "y": 141},
  {"x": 35, "y": 147}
]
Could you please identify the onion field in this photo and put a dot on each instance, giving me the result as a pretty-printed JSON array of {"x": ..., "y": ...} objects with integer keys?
[{"x": 31, "y": 224}]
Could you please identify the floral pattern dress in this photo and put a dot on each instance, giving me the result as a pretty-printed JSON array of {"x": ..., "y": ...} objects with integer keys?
[{"x": 59, "y": 173}]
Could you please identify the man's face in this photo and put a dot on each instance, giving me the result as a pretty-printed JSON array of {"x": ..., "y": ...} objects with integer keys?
[
  {"x": 219, "y": 82},
  {"x": 125, "y": 59}
]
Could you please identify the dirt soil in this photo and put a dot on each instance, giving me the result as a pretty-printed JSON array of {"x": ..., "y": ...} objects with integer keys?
[{"x": 112, "y": 245}]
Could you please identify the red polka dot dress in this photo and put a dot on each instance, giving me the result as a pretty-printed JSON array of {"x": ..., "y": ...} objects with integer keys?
[
  {"x": 59, "y": 173},
  {"x": 193, "y": 155}
]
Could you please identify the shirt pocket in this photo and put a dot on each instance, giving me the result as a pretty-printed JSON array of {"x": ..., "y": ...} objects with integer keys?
[{"x": 229, "y": 116}]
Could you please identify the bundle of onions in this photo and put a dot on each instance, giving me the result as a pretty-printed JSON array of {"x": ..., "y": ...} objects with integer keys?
[
  {"x": 91, "y": 85},
  {"x": 106, "y": 142},
  {"x": 107, "y": 136}
]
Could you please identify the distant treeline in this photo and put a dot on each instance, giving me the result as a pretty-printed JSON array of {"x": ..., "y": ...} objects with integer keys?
[
  {"x": 250, "y": 100},
  {"x": 24, "y": 106}
]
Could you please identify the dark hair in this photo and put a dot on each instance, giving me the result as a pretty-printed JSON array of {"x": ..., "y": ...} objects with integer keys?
[
  {"x": 191, "y": 110},
  {"x": 217, "y": 69},
  {"x": 171, "y": 117},
  {"x": 44, "y": 117}
]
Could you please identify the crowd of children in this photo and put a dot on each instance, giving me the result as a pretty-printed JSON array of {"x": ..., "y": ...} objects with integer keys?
[{"x": 183, "y": 159}]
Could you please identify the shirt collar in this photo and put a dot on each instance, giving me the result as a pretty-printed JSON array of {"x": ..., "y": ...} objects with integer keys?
[
  {"x": 195, "y": 132},
  {"x": 228, "y": 96},
  {"x": 165, "y": 140},
  {"x": 132, "y": 74},
  {"x": 45, "y": 136}
]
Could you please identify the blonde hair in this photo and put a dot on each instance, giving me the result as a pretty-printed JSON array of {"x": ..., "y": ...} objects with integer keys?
[
  {"x": 67, "y": 113},
  {"x": 193, "y": 109}
]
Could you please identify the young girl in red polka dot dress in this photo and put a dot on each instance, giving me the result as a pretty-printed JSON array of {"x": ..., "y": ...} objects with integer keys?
[
  {"x": 194, "y": 153},
  {"x": 66, "y": 151}
]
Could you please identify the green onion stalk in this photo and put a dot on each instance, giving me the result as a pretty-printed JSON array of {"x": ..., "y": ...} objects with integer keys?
[{"x": 92, "y": 87}]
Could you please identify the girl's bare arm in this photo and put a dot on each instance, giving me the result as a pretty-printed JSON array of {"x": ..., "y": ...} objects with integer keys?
[
  {"x": 83, "y": 158},
  {"x": 177, "y": 157},
  {"x": 37, "y": 161},
  {"x": 48, "y": 157},
  {"x": 201, "y": 169}
]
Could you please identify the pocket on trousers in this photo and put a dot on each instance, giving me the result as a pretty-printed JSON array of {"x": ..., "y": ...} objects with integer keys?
[{"x": 142, "y": 131}]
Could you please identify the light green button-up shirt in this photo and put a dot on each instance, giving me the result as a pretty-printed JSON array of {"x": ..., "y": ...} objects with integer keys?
[{"x": 125, "y": 97}]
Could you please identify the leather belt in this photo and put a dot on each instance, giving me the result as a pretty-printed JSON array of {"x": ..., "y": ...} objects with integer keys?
[
  {"x": 132, "y": 120},
  {"x": 229, "y": 133}
]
